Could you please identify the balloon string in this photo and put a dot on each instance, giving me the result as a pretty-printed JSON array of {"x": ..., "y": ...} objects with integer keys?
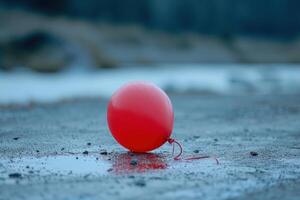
[
  {"x": 202, "y": 157},
  {"x": 177, "y": 157},
  {"x": 172, "y": 141}
]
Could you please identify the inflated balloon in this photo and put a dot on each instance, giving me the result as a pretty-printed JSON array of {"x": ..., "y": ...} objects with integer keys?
[{"x": 140, "y": 116}]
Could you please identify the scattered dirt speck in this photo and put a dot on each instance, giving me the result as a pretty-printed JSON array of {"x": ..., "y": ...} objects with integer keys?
[
  {"x": 85, "y": 152},
  {"x": 131, "y": 154},
  {"x": 140, "y": 183},
  {"x": 110, "y": 169},
  {"x": 86, "y": 176},
  {"x": 103, "y": 153},
  {"x": 15, "y": 175},
  {"x": 133, "y": 162}
]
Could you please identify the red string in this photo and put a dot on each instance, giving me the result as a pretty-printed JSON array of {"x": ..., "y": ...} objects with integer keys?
[
  {"x": 177, "y": 157},
  {"x": 172, "y": 141}
]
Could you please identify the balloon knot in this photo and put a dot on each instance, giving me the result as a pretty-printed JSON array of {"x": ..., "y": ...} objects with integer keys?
[{"x": 173, "y": 141}]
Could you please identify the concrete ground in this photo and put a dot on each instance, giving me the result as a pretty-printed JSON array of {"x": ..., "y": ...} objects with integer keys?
[{"x": 65, "y": 151}]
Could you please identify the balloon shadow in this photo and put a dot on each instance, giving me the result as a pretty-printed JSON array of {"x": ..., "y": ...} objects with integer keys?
[{"x": 138, "y": 162}]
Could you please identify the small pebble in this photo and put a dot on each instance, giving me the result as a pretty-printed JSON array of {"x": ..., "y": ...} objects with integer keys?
[
  {"x": 133, "y": 162},
  {"x": 62, "y": 149},
  {"x": 89, "y": 144},
  {"x": 76, "y": 158},
  {"x": 196, "y": 151},
  {"x": 16, "y": 138},
  {"x": 196, "y": 136},
  {"x": 37, "y": 151},
  {"x": 103, "y": 153},
  {"x": 131, "y": 154},
  {"x": 15, "y": 175},
  {"x": 110, "y": 169},
  {"x": 253, "y": 153},
  {"x": 216, "y": 140},
  {"x": 140, "y": 183},
  {"x": 86, "y": 176},
  {"x": 85, "y": 152},
  {"x": 27, "y": 167}
]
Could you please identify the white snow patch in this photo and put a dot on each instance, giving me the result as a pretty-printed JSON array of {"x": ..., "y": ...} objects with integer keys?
[{"x": 25, "y": 86}]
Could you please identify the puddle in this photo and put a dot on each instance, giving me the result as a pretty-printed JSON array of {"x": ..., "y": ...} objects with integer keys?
[
  {"x": 62, "y": 165},
  {"x": 95, "y": 164},
  {"x": 85, "y": 164}
]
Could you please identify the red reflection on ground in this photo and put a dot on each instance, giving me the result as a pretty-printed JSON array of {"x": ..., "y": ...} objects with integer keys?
[{"x": 141, "y": 162}]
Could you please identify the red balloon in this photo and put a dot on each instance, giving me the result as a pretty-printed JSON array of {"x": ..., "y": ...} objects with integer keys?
[{"x": 140, "y": 116}]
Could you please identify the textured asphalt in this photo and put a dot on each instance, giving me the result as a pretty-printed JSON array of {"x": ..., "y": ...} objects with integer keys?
[{"x": 64, "y": 151}]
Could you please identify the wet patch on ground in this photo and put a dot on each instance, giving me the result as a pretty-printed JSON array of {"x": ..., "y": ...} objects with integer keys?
[{"x": 97, "y": 164}]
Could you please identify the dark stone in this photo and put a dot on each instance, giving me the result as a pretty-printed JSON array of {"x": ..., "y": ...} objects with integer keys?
[
  {"x": 15, "y": 175},
  {"x": 62, "y": 149},
  {"x": 86, "y": 176},
  {"x": 103, "y": 153},
  {"x": 110, "y": 169},
  {"x": 131, "y": 154},
  {"x": 89, "y": 144},
  {"x": 37, "y": 151},
  {"x": 140, "y": 183},
  {"x": 133, "y": 162},
  {"x": 196, "y": 151},
  {"x": 216, "y": 140},
  {"x": 85, "y": 152},
  {"x": 16, "y": 138},
  {"x": 253, "y": 153}
]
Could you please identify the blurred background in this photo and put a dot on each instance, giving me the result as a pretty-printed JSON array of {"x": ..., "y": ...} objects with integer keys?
[{"x": 79, "y": 48}]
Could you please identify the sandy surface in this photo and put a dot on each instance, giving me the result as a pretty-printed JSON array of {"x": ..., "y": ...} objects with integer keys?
[{"x": 41, "y": 151}]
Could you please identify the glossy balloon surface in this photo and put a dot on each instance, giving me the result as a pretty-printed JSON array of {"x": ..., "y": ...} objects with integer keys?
[{"x": 140, "y": 116}]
